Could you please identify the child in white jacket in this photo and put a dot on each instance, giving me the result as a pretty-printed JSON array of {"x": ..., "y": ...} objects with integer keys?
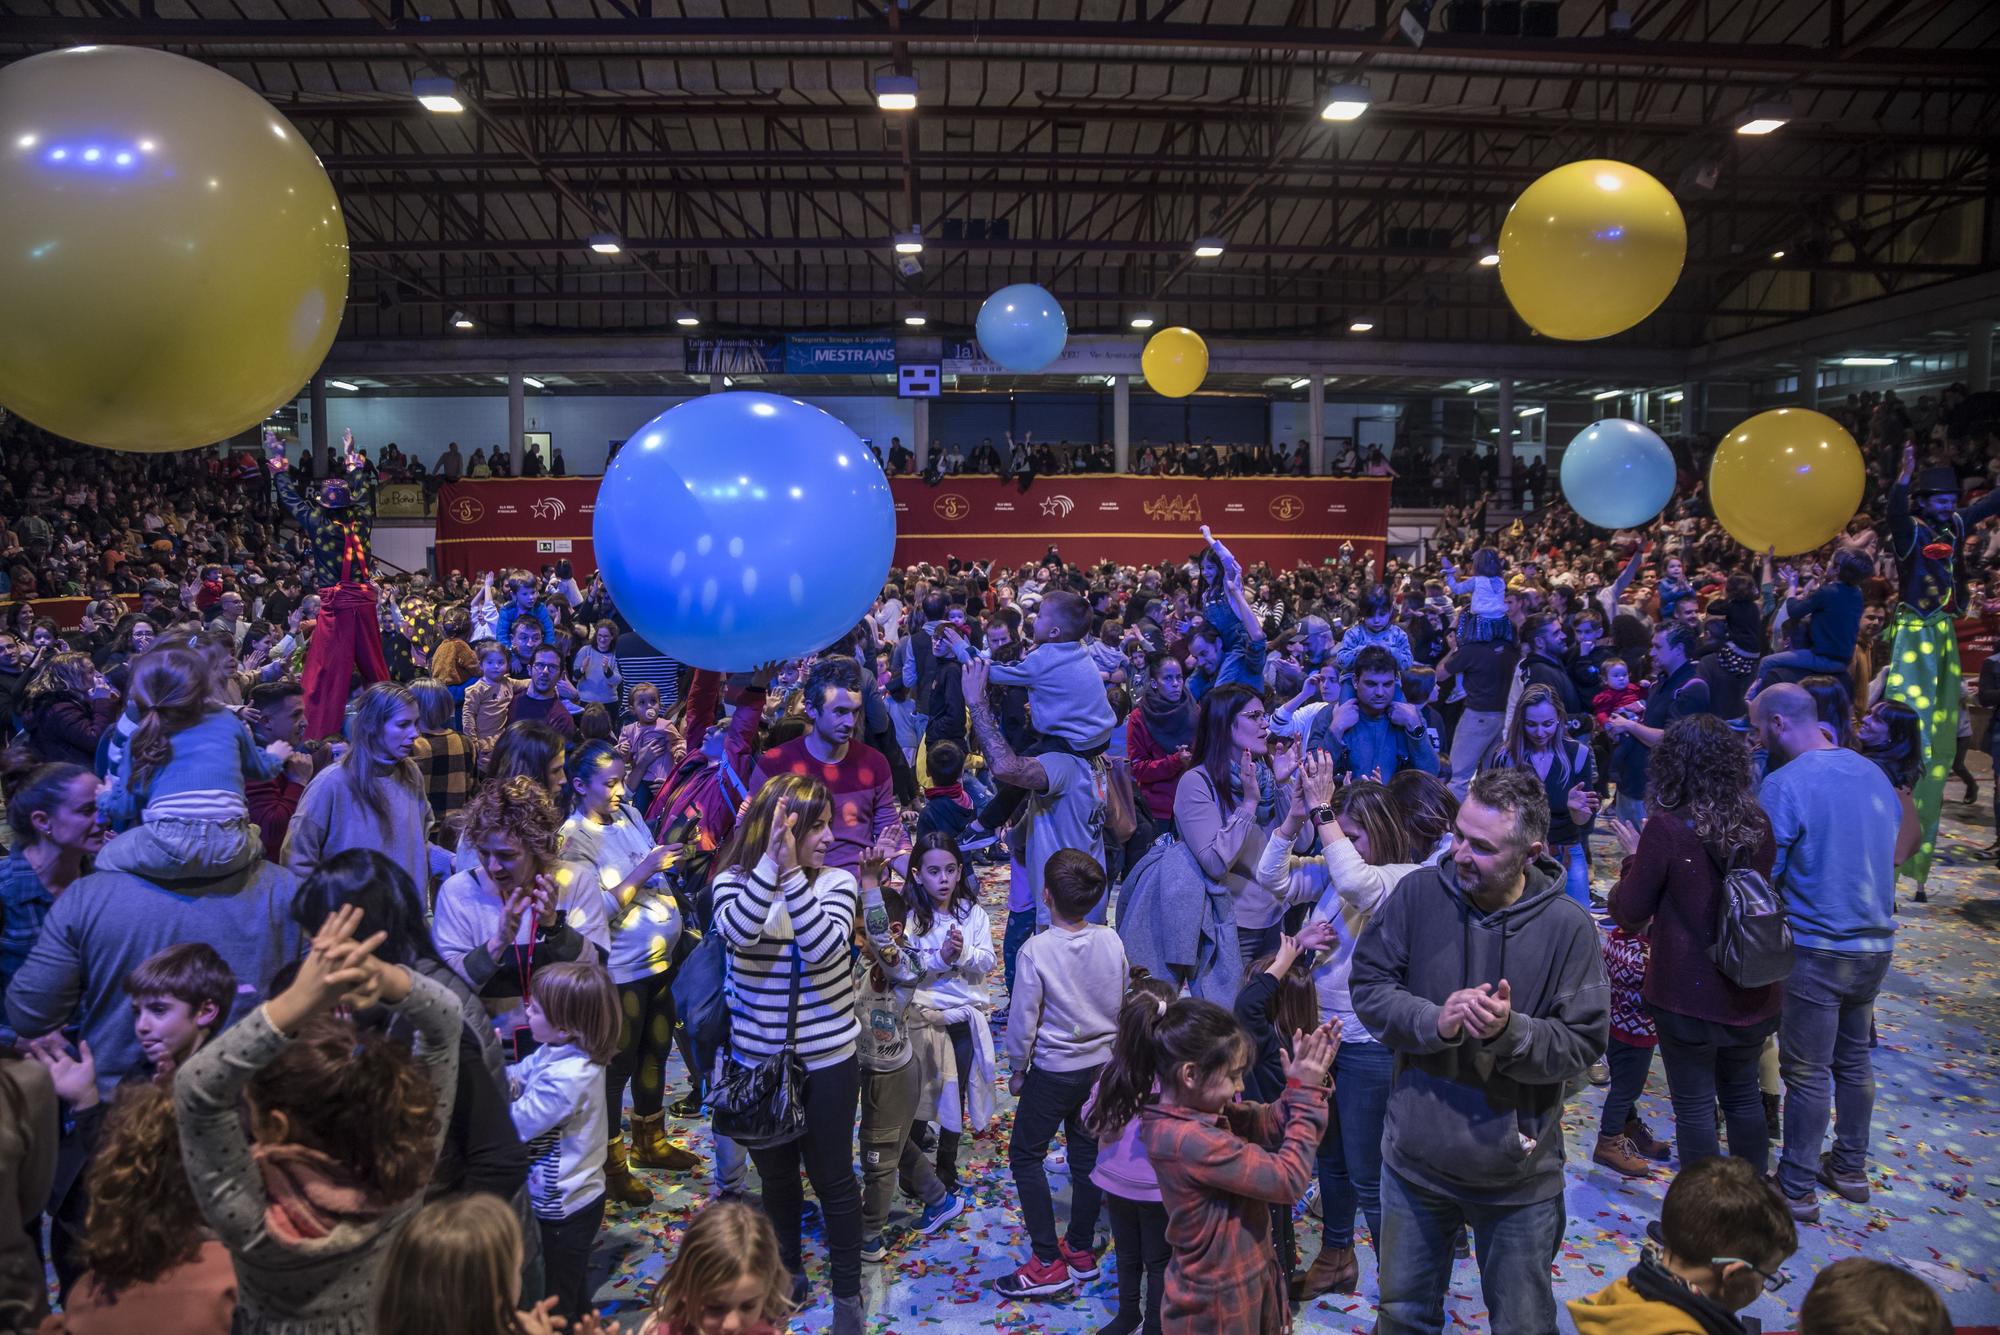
[{"x": 558, "y": 1109}]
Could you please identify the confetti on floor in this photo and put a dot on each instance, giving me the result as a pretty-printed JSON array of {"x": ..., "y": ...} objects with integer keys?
[{"x": 1935, "y": 1166}]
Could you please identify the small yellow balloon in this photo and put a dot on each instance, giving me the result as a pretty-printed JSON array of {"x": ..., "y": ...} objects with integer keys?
[
  {"x": 172, "y": 257},
  {"x": 1591, "y": 249},
  {"x": 1786, "y": 480},
  {"x": 1175, "y": 362}
]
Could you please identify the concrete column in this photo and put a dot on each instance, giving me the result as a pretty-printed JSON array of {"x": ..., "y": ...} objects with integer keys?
[
  {"x": 920, "y": 427},
  {"x": 1981, "y": 356},
  {"x": 1809, "y": 382},
  {"x": 1505, "y": 439},
  {"x": 1121, "y": 423},
  {"x": 517, "y": 420},
  {"x": 1316, "y": 423},
  {"x": 322, "y": 451},
  {"x": 1694, "y": 412},
  {"x": 717, "y": 382}
]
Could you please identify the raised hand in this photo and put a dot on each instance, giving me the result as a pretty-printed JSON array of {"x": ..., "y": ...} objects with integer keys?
[
  {"x": 74, "y": 1076},
  {"x": 1316, "y": 935},
  {"x": 1627, "y": 835},
  {"x": 1405, "y": 715},
  {"x": 1312, "y": 1056},
  {"x": 954, "y": 946},
  {"x": 1249, "y": 779},
  {"x": 1317, "y": 778},
  {"x": 1582, "y": 804},
  {"x": 1345, "y": 715},
  {"x": 783, "y": 846}
]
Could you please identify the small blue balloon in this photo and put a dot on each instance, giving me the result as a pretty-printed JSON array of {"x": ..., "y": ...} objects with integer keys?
[
  {"x": 738, "y": 529},
  {"x": 1617, "y": 474},
  {"x": 1022, "y": 328}
]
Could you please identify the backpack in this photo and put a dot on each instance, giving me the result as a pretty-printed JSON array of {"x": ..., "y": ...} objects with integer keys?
[{"x": 1753, "y": 938}]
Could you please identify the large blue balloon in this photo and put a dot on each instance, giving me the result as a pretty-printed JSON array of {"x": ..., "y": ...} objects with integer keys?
[
  {"x": 1617, "y": 474},
  {"x": 736, "y": 529},
  {"x": 1022, "y": 327}
]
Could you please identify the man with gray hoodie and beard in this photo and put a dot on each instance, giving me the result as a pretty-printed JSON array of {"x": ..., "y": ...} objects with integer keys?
[{"x": 1487, "y": 981}]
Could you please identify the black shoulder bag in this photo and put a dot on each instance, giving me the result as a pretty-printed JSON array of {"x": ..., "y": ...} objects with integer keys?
[{"x": 762, "y": 1104}]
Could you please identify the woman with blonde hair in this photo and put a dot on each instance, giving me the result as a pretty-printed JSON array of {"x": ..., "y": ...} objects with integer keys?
[
  {"x": 1538, "y": 741},
  {"x": 69, "y": 705}
]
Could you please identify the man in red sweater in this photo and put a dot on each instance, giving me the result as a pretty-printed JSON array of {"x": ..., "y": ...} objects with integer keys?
[
  {"x": 855, "y": 773},
  {"x": 277, "y": 714}
]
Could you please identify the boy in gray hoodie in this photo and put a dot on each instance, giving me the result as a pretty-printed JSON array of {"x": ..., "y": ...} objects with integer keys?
[{"x": 1487, "y": 981}]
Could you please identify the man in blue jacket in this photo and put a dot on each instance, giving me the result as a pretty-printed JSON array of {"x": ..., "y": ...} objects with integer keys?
[
  {"x": 1374, "y": 735},
  {"x": 1487, "y": 982}
]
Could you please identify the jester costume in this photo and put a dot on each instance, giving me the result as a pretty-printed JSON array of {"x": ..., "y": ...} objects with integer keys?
[
  {"x": 346, "y": 638},
  {"x": 1923, "y": 662}
]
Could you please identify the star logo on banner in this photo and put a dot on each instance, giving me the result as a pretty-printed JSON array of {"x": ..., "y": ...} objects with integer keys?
[
  {"x": 549, "y": 507},
  {"x": 1058, "y": 506}
]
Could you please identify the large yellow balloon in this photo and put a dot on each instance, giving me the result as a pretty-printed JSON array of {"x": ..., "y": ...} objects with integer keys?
[
  {"x": 1175, "y": 362},
  {"x": 173, "y": 263},
  {"x": 1591, "y": 249},
  {"x": 1788, "y": 480}
]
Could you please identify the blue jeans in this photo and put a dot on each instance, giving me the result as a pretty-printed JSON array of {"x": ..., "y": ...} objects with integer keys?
[
  {"x": 1709, "y": 1062},
  {"x": 978, "y": 789},
  {"x": 1053, "y": 1101},
  {"x": 1257, "y": 942},
  {"x": 1515, "y": 1246},
  {"x": 1797, "y": 660},
  {"x": 1823, "y": 1056},
  {"x": 1350, "y": 1154},
  {"x": 1576, "y": 863},
  {"x": 1020, "y": 926}
]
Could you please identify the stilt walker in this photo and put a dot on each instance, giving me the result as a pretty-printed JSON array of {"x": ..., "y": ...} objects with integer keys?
[
  {"x": 347, "y": 637},
  {"x": 1927, "y": 534}
]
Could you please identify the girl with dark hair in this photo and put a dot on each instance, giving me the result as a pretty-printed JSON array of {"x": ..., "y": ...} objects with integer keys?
[
  {"x": 347, "y": 1129},
  {"x": 372, "y": 797},
  {"x": 1538, "y": 741},
  {"x": 1889, "y": 735},
  {"x": 607, "y": 848},
  {"x": 67, "y": 709},
  {"x": 1222, "y": 1162},
  {"x": 1702, "y": 820},
  {"x": 1226, "y": 804},
  {"x": 52, "y": 810},
  {"x": 951, "y": 940},
  {"x": 1159, "y": 736},
  {"x": 1131, "y": 1190}
]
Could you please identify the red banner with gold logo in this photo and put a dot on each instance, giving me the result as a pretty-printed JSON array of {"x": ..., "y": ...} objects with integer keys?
[
  {"x": 528, "y": 522},
  {"x": 1132, "y": 519}
]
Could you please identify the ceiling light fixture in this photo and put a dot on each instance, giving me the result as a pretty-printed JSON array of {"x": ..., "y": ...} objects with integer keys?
[
  {"x": 1867, "y": 361},
  {"x": 460, "y": 320},
  {"x": 438, "y": 95},
  {"x": 1302, "y": 382},
  {"x": 606, "y": 243},
  {"x": 1209, "y": 247},
  {"x": 916, "y": 319},
  {"x": 1360, "y": 326},
  {"x": 342, "y": 384},
  {"x": 1490, "y": 260},
  {"x": 532, "y": 383},
  {"x": 1346, "y": 102},
  {"x": 1143, "y": 321},
  {"x": 896, "y": 92},
  {"x": 1763, "y": 117},
  {"x": 686, "y": 318},
  {"x": 1607, "y": 394},
  {"x": 1479, "y": 388},
  {"x": 1530, "y": 412},
  {"x": 1777, "y": 254},
  {"x": 910, "y": 242},
  {"x": 1672, "y": 396}
]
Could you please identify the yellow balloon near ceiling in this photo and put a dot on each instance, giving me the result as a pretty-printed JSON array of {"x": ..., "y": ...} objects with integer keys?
[
  {"x": 173, "y": 259},
  {"x": 1175, "y": 362},
  {"x": 1591, "y": 249},
  {"x": 1786, "y": 480}
]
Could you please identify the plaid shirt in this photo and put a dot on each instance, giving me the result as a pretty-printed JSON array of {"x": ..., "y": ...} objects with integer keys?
[
  {"x": 1218, "y": 1174},
  {"x": 446, "y": 761},
  {"x": 26, "y": 902}
]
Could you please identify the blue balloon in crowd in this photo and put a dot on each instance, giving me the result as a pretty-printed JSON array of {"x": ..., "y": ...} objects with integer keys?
[
  {"x": 1022, "y": 328},
  {"x": 1617, "y": 474},
  {"x": 736, "y": 529}
]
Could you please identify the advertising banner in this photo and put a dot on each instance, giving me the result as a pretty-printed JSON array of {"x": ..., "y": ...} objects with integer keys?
[
  {"x": 733, "y": 356},
  {"x": 1082, "y": 356},
  {"x": 839, "y": 354},
  {"x": 1285, "y": 521},
  {"x": 499, "y": 523}
]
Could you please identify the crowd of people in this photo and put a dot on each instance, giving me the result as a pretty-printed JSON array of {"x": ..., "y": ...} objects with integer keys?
[{"x": 1327, "y": 887}]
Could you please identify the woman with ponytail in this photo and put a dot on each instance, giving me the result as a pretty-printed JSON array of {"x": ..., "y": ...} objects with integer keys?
[
  {"x": 343, "y": 1131},
  {"x": 1220, "y": 1162}
]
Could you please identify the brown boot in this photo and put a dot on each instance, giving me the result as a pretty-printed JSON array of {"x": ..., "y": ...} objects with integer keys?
[
  {"x": 1642, "y": 1140},
  {"x": 1621, "y": 1156},
  {"x": 1334, "y": 1270},
  {"x": 619, "y": 1184},
  {"x": 652, "y": 1149}
]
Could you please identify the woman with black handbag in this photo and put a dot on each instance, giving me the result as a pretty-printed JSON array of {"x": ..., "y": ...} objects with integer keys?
[{"x": 789, "y": 1086}]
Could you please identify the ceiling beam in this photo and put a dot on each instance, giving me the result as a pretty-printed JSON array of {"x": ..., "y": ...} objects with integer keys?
[{"x": 711, "y": 37}]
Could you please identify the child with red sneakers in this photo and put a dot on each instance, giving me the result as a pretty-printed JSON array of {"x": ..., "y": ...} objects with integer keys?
[{"x": 1069, "y": 985}]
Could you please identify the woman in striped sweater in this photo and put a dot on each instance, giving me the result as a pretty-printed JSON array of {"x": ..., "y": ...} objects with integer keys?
[{"x": 789, "y": 919}]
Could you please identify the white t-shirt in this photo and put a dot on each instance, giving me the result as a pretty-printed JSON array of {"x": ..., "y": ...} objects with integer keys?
[{"x": 641, "y": 936}]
